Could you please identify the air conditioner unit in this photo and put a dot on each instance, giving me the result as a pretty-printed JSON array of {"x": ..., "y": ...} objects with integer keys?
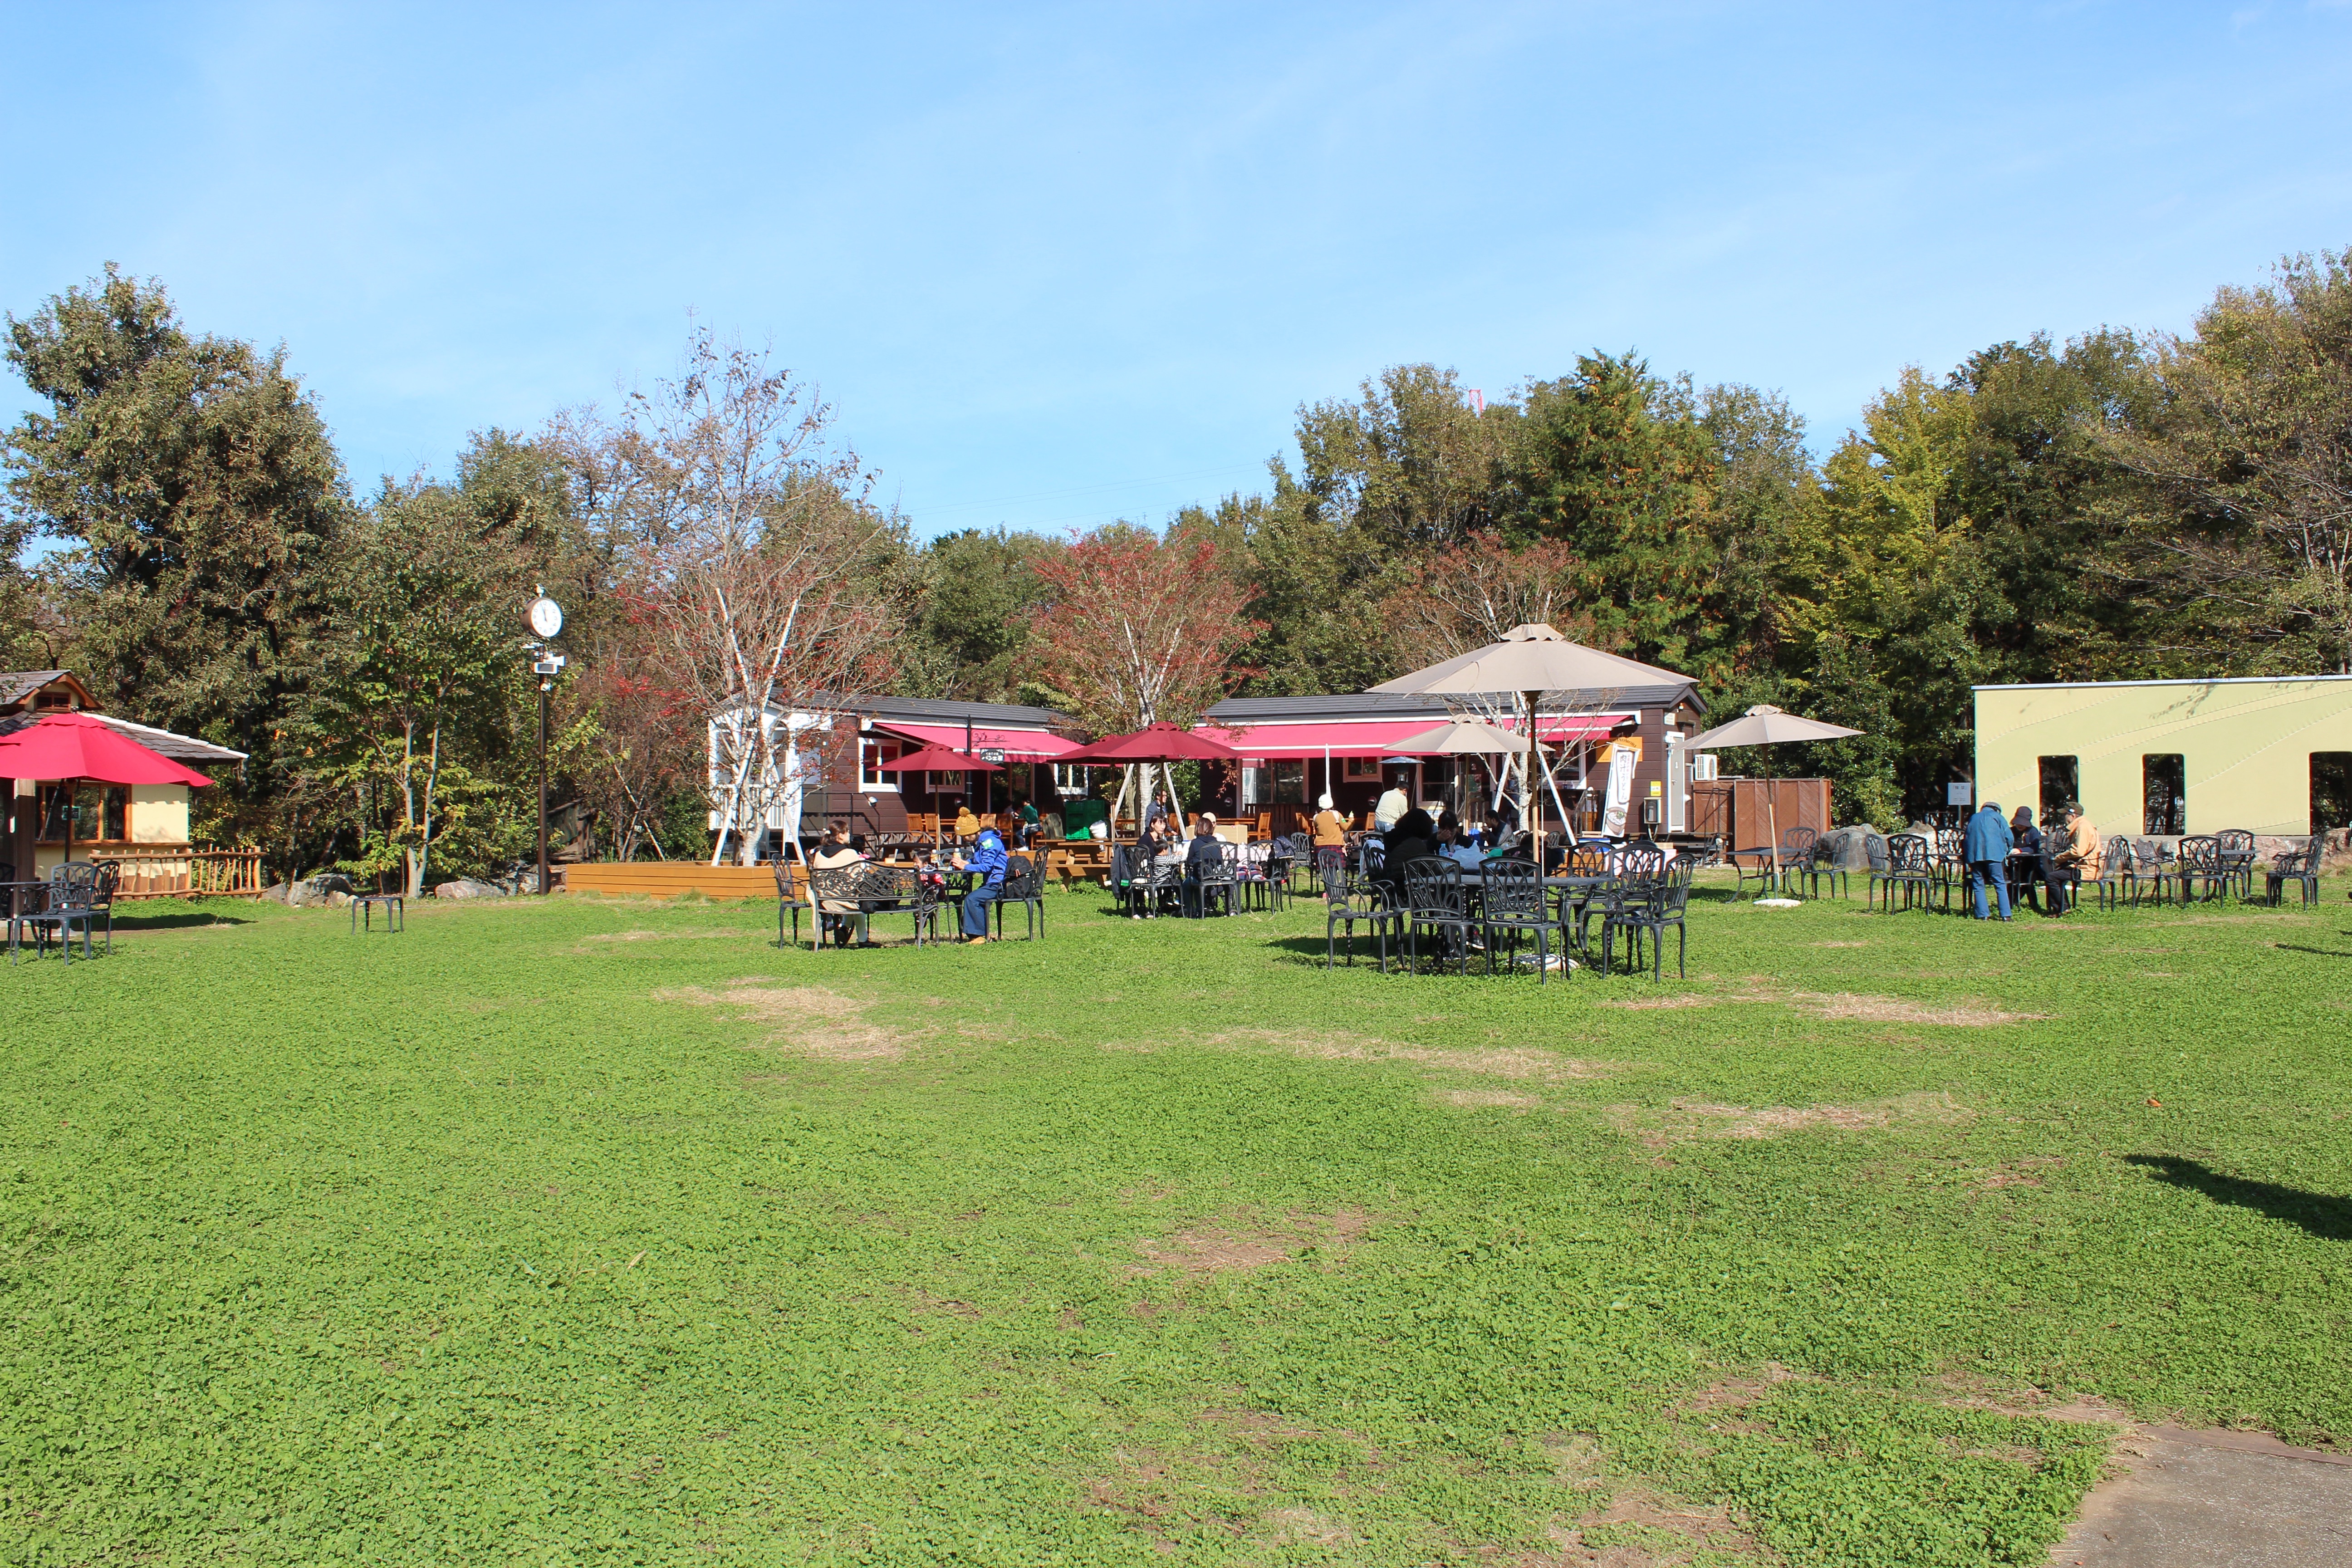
[{"x": 1702, "y": 767}]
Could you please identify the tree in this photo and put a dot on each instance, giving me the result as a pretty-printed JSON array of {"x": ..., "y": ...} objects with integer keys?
[
  {"x": 2244, "y": 461},
  {"x": 762, "y": 580},
  {"x": 196, "y": 490},
  {"x": 1140, "y": 630},
  {"x": 981, "y": 593},
  {"x": 421, "y": 678}
]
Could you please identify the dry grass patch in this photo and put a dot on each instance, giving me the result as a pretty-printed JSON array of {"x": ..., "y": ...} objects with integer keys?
[
  {"x": 1208, "y": 1249},
  {"x": 1968, "y": 1015},
  {"x": 1685, "y": 1121},
  {"x": 1640, "y": 1528},
  {"x": 1502, "y": 1097},
  {"x": 819, "y": 1023},
  {"x": 1345, "y": 1047}
]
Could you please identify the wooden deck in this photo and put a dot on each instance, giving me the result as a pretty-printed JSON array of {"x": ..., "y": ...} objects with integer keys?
[{"x": 668, "y": 879}]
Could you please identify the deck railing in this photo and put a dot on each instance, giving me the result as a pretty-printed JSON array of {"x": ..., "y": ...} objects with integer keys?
[{"x": 185, "y": 871}]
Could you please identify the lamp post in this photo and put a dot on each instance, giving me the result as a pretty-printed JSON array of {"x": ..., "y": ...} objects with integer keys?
[{"x": 546, "y": 617}]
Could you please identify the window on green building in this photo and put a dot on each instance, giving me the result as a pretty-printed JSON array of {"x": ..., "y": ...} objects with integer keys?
[
  {"x": 2331, "y": 790},
  {"x": 2060, "y": 786},
  {"x": 2164, "y": 787}
]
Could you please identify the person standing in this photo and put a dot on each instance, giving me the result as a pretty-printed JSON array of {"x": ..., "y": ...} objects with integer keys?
[
  {"x": 986, "y": 863},
  {"x": 1987, "y": 852},
  {"x": 1391, "y": 807}
]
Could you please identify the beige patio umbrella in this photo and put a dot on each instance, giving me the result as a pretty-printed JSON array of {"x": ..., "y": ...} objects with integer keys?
[
  {"x": 1765, "y": 725},
  {"x": 1531, "y": 660},
  {"x": 1461, "y": 737}
]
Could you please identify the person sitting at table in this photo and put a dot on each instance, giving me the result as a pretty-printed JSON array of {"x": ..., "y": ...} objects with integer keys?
[
  {"x": 1159, "y": 819},
  {"x": 1026, "y": 821},
  {"x": 848, "y": 918},
  {"x": 1413, "y": 837},
  {"x": 2025, "y": 860},
  {"x": 986, "y": 863},
  {"x": 1204, "y": 854},
  {"x": 2076, "y": 857}
]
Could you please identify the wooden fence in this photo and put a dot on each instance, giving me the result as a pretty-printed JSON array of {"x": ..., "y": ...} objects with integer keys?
[
  {"x": 183, "y": 871},
  {"x": 1742, "y": 810}
]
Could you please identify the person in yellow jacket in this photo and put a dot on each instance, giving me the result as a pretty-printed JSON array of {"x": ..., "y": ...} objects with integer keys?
[{"x": 2078, "y": 858}]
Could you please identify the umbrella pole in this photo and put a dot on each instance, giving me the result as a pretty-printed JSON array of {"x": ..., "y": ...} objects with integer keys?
[
  {"x": 1772, "y": 817},
  {"x": 1527, "y": 789}
]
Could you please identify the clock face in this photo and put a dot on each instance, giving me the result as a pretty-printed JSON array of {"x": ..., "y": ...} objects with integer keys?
[{"x": 546, "y": 617}]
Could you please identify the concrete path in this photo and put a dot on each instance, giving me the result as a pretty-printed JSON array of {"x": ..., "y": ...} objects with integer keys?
[{"x": 2214, "y": 1499}]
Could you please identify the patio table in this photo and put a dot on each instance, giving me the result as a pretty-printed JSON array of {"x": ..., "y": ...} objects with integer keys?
[{"x": 19, "y": 905}]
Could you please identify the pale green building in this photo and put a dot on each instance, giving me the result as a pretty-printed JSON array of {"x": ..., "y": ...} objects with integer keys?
[{"x": 2164, "y": 757}]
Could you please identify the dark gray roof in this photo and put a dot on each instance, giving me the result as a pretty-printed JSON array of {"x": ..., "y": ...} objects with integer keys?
[
  {"x": 948, "y": 711},
  {"x": 179, "y": 748},
  {"x": 16, "y": 685},
  {"x": 1386, "y": 705}
]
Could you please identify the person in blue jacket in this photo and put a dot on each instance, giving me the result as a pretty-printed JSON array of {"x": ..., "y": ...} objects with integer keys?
[
  {"x": 1987, "y": 852},
  {"x": 986, "y": 860}
]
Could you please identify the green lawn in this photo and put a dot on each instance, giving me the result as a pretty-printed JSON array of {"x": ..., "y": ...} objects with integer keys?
[{"x": 607, "y": 1232}]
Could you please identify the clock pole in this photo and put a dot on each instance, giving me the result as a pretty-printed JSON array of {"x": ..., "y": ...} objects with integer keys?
[{"x": 547, "y": 619}]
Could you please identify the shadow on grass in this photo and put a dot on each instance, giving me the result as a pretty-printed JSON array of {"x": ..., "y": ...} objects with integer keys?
[
  {"x": 2319, "y": 1214},
  {"x": 179, "y": 920},
  {"x": 2322, "y": 951}
]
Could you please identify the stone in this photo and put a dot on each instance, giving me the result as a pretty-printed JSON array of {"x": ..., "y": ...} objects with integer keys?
[
  {"x": 467, "y": 887},
  {"x": 277, "y": 892},
  {"x": 1847, "y": 848},
  {"x": 331, "y": 890}
]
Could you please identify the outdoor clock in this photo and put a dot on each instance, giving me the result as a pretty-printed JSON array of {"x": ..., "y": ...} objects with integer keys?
[{"x": 546, "y": 617}]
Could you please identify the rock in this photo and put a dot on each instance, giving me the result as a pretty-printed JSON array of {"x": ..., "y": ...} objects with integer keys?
[
  {"x": 1847, "y": 848},
  {"x": 330, "y": 891},
  {"x": 467, "y": 887},
  {"x": 275, "y": 893}
]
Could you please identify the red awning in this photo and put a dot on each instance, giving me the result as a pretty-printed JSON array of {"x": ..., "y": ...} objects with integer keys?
[
  {"x": 82, "y": 747},
  {"x": 1378, "y": 737},
  {"x": 1018, "y": 746}
]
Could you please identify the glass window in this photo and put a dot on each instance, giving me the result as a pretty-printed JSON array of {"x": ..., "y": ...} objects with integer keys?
[
  {"x": 1363, "y": 768},
  {"x": 871, "y": 755},
  {"x": 2163, "y": 789},
  {"x": 1253, "y": 782},
  {"x": 1071, "y": 778},
  {"x": 101, "y": 812},
  {"x": 2331, "y": 790},
  {"x": 1290, "y": 782},
  {"x": 2059, "y": 788}
]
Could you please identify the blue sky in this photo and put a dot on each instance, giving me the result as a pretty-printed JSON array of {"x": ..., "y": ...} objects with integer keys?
[{"x": 1057, "y": 264}]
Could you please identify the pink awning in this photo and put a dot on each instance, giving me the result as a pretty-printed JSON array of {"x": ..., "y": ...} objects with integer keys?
[
  {"x": 1378, "y": 737},
  {"x": 1018, "y": 746}
]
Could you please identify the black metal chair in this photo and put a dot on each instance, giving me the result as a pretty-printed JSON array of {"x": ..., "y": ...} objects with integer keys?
[
  {"x": 2300, "y": 867},
  {"x": 78, "y": 893},
  {"x": 1345, "y": 905},
  {"x": 1820, "y": 865},
  {"x": 1434, "y": 899},
  {"x": 1511, "y": 903},
  {"x": 2198, "y": 871},
  {"x": 1909, "y": 869},
  {"x": 1023, "y": 884},
  {"x": 1662, "y": 904},
  {"x": 2235, "y": 848},
  {"x": 2142, "y": 868},
  {"x": 2115, "y": 874}
]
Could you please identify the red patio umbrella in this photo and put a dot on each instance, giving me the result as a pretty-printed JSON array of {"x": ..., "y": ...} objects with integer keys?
[
  {"x": 1161, "y": 742},
  {"x": 936, "y": 759},
  {"x": 72, "y": 748}
]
